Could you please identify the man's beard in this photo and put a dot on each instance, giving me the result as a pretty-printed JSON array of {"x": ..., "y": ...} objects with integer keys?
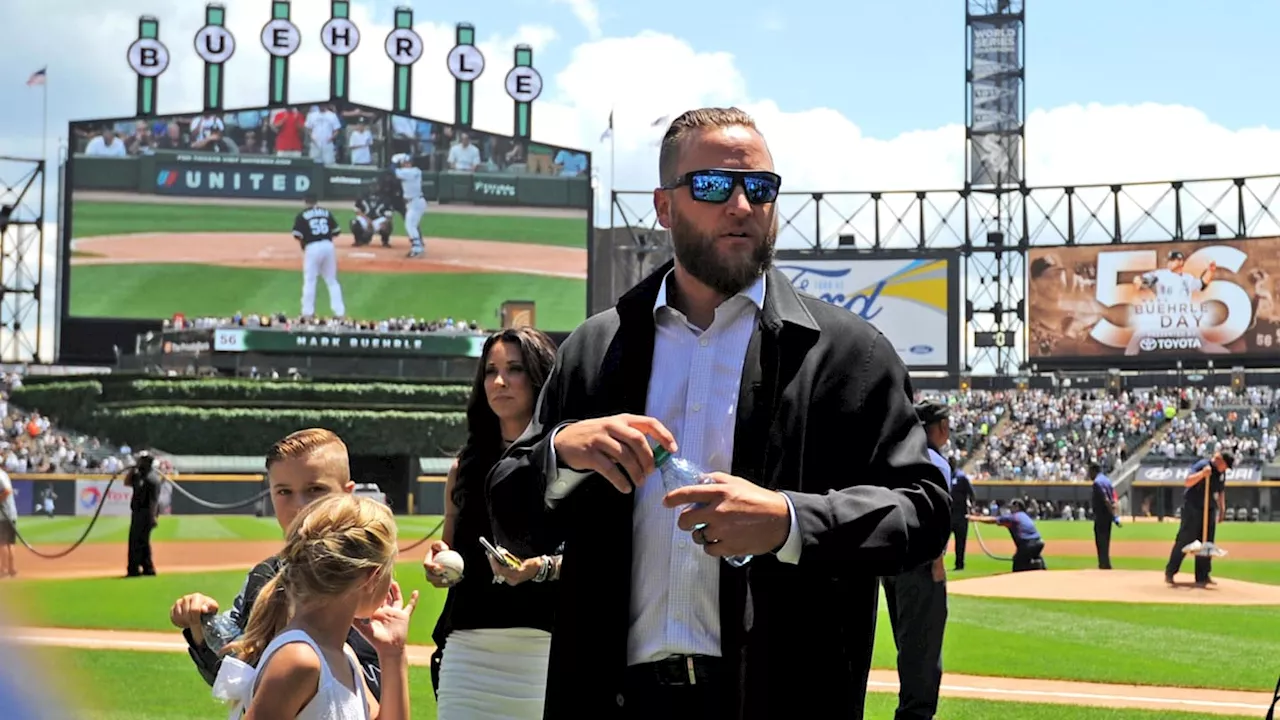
[{"x": 726, "y": 273}]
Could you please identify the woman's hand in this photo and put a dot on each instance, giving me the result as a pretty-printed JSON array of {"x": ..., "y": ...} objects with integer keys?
[
  {"x": 528, "y": 570},
  {"x": 387, "y": 629},
  {"x": 435, "y": 571}
]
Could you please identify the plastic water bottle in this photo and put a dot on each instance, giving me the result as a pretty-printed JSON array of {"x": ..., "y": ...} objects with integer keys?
[
  {"x": 679, "y": 472},
  {"x": 219, "y": 631}
]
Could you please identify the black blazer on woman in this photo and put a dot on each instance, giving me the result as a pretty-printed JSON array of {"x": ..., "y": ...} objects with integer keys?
[
  {"x": 478, "y": 602},
  {"x": 824, "y": 415}
]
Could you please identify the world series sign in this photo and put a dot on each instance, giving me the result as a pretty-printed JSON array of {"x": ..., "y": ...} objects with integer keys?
[{"x": 148, "y": 57}]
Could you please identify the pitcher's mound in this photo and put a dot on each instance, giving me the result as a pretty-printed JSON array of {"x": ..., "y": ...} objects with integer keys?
[{"x": 1136, "y": 586}]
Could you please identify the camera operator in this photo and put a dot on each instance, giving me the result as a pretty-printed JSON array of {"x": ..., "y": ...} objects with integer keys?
[{"x": 145, "y": 507}]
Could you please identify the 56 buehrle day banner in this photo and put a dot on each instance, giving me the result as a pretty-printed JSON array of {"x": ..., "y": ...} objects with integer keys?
[{"x": 1208, "y": 299}]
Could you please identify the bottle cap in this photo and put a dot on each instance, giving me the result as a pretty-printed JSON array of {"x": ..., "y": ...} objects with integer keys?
[{"x": 660, "y": 455}]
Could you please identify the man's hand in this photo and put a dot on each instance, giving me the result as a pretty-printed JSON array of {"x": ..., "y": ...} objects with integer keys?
[
  {"x": 741, "y": 518},
  {"x": 1222, "y": 515},
  {"x": 187, "y": 611},
  {"x": 614, "y": 446},
  {"x": 939, "y": 570}
]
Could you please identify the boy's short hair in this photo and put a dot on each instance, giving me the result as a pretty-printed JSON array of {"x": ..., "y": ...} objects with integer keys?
[{"x": 310, "y": 442}]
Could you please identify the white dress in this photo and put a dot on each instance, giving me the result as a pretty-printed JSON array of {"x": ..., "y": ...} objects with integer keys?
[
  {"x": 493, "y": 674},
  {"x": 332, "y": 701}
]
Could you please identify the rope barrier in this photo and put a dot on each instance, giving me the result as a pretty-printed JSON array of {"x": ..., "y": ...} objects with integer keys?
[
  {"x": 97, "y": 512},
  {"x": 425, "y": 539},
  {"x": 978, "y": 534},
  {"x": 186, "y": 493},
  {"x": 102, "y": 503},
  {"x": 212, "y": 505}
]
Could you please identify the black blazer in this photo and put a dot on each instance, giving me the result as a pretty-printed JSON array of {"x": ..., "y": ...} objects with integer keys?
[{"x": 825, "y": 415}]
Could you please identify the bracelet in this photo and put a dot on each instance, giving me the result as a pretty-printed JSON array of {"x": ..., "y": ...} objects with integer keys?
[{"x": 543, "y": 571}]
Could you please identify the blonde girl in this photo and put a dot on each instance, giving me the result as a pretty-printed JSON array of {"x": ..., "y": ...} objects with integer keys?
[{"x": 293, "y": 660}]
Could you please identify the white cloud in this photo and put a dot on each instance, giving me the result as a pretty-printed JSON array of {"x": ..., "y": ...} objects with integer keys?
[
  {"x": 641, "y": 77},
  {"x": 587, "y": 12}
]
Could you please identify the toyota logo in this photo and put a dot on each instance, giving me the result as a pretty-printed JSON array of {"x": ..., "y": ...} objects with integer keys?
[{"x": 1147, "y": 344}]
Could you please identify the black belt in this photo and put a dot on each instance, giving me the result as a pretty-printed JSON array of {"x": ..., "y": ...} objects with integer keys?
[{"x": 676, "y": 670}]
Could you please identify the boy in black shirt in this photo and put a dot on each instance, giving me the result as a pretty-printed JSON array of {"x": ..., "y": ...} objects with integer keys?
[{"x": 301, "y": 468}]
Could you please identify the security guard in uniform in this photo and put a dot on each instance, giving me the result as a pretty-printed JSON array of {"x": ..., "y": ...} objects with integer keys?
[
  {"x": 1106, "y": 512},
  {"x": 1028, "y": 545},
  {"x": 1194, "y": 510},
  {"x": 917, "y": 599},
  {"x": 145, "y": 507},
  {"x": 962, "y": 498}
]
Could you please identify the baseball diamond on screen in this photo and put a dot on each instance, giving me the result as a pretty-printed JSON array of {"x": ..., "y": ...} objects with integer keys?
[
  {"x": 195, "y": 215},
  {"x": 1204, "y": 298}
]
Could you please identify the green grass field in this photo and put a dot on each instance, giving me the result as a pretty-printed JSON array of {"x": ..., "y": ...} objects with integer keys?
[
  {"x": 244, "y": 527},
  {"x": 158, "y": 290},
  {"x": 174, "y": 691},
  {"x": 1215, "y": 647}
]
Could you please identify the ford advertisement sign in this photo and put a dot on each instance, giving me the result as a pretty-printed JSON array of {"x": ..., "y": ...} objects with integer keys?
[{"x": 913, "y": 300}]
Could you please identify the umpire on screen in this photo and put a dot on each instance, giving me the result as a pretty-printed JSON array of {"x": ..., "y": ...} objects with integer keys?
[
  {"x": 145, "y": 509},
  {"x": 917, "y": 599},
  {"x": 374, "y": 217}
]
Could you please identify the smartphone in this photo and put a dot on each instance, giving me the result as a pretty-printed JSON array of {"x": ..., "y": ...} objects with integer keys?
[{"x": 503, "y": 557}]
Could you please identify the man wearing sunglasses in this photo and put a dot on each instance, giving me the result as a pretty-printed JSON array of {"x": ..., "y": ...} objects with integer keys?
[{"x": 801, "y": 414}]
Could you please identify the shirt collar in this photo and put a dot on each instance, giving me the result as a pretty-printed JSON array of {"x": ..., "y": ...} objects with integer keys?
[{"x": 754, "y": 292}]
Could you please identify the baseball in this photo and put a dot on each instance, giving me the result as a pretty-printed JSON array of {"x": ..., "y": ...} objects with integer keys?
[{"x": 452, "y": 563}]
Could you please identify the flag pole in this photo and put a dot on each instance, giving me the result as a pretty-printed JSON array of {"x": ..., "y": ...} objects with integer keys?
[
  {"x": 613, "y": 140},
  {"x": 44, "y": 120}
]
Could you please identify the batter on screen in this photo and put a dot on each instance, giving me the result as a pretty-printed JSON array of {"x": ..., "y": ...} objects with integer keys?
[
  {"x": 415, "y": 204},
  {"x": 315, "y": 228}
]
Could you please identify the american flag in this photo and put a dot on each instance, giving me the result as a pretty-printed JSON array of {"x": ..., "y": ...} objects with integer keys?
[{"x": 37, "y": 77}]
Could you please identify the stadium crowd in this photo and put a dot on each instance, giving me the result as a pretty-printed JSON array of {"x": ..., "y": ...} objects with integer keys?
[
  {"x": 32, "y": 443},
  {"x": 1052, "y": 435},
  {"x": 1246, "y": 423}
]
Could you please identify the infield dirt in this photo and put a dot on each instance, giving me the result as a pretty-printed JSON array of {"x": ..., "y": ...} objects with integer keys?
[{"x": 279, "y": 251}]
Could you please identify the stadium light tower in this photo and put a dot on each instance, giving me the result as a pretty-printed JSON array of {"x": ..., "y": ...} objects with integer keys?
[{"x": 995, "y": 165}]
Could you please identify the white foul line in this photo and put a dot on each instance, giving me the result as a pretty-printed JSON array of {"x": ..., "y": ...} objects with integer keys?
[{"x": 1084, "y": 696}]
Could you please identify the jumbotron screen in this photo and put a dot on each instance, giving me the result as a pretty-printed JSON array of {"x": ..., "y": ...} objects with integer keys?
[
  {"x": 195, "y": 215},
  {"x": 1205, "y": 298}
]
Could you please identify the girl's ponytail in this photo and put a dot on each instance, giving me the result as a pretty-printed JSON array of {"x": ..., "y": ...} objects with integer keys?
[{"x": 269, "y": 616}]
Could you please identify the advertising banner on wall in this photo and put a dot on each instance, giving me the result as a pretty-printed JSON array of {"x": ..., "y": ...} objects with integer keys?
[
  {"x": 914, "y": 301},
  {"x": 1164, "y": 301},
  {"x": 24, "y": 495},
  {"x": 1177, "y": 474},
  {"x": 91, "y": 492},
  {"x": 240, "y": 340}
]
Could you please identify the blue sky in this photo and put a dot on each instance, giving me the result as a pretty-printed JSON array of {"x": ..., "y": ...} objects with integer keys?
[
  {"x": 851, "y": 56},
  {"x": 852, "y": 96}
]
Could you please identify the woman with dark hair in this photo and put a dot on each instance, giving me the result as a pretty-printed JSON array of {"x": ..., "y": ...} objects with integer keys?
[{"x": 496, "y": 622}]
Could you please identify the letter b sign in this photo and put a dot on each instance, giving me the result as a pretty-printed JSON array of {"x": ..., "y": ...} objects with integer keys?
[{"x": 148, "y": 57}]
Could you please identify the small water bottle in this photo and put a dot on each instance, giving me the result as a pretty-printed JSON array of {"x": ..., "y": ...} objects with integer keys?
[
  {"x": 679, "y": 472},
  {"x": 219, "y": 631}
]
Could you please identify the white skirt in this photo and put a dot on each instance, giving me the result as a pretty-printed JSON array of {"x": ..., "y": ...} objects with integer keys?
[{"x": 493, "y": 674}]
